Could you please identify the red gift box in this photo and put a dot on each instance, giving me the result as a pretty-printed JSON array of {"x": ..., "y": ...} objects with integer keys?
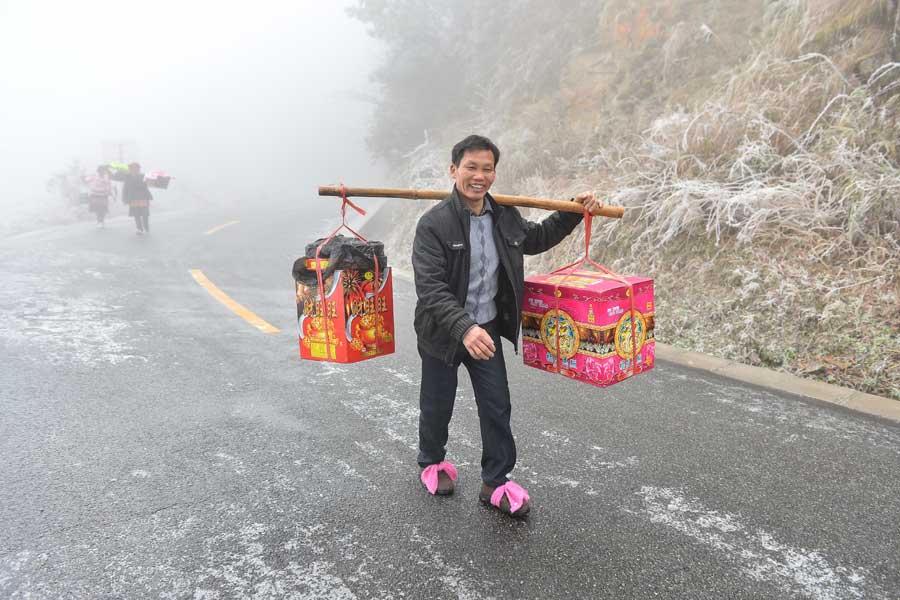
[{"x": 357, "y": 322}]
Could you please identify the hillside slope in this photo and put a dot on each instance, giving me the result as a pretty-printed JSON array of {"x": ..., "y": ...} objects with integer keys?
[{"x": 754, "y": 145}]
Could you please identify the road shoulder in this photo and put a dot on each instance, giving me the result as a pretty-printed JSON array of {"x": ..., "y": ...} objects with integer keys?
[{"x": 833, "y": 394}]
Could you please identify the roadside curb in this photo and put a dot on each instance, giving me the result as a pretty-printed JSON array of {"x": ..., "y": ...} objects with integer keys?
[
  {"x": 848, "y": 398},
  {"x": 878, "y": 406}
]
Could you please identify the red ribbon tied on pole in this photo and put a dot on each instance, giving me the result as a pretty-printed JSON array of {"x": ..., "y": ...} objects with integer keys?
[
  {"x": 345, "y": 202},
  {"x": 568, "y": 270}
]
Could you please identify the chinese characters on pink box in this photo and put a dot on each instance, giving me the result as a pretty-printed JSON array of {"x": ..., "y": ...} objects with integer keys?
[{"x": 579, "y": 324}]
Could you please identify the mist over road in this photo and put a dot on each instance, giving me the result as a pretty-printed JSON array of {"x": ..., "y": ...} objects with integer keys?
[{"x": 155, "y": 445}]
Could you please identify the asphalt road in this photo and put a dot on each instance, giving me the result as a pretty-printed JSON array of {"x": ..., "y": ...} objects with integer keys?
[{"x": 155, "y": 445}]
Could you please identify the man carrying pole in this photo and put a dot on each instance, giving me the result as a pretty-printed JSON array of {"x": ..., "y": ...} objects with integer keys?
[{"x": 468, "y": 263}]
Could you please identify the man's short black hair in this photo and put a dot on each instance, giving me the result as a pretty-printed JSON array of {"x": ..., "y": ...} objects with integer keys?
[{"x": 474, "y": 142}]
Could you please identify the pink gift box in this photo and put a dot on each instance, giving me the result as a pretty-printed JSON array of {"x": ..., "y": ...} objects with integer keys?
[{"x": 585, "y": 317}]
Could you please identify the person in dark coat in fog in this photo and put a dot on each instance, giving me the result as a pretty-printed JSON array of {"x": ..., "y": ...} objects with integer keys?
[{"x": 136, "y": 195}]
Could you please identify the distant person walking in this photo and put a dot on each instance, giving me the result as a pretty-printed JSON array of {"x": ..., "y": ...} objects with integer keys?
[
  {"x": 136, "y": 195},
  {"x": 100, "y": 189}
]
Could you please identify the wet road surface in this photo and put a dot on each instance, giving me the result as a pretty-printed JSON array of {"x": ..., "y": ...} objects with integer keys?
[{"x": 156, "y": 445}]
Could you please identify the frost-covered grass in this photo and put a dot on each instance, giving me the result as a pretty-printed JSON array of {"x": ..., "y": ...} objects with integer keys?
[
  {"x": 774, "y": 239},
  {"x": 764, "y": 200},
  {"x": 771, "y": 243}
]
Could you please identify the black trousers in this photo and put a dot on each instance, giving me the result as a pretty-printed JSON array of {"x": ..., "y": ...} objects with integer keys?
[
  {"x": 142, "y": 222},
  {"x": 436, "y": 397}
]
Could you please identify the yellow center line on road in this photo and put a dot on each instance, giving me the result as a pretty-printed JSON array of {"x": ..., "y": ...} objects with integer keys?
[
  {"x": 221, "y": 227},
  {"x": 235, "y": 307}
]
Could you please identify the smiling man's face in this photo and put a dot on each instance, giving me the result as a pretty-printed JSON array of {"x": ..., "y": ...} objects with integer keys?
[{"x": 474, "y": 176}]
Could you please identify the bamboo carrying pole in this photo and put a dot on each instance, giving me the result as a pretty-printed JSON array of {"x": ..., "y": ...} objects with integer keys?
[{"x": 614, "y": 212}]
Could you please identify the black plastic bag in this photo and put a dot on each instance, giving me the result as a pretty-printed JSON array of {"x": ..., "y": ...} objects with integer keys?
[{"x": 343, "y": 253}]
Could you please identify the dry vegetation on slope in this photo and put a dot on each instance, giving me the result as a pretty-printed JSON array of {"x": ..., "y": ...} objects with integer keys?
[{"x": 754, "y": 144}]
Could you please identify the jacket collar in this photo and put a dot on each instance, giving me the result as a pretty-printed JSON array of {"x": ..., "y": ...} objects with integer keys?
[{"x": 460, "y": 206}]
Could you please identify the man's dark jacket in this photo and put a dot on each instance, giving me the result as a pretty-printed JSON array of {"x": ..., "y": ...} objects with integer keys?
[{"x": 441, "y": 260}]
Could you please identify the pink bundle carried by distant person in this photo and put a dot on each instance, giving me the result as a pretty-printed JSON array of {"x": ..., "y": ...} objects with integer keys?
[{"x": 157, "y": 179}]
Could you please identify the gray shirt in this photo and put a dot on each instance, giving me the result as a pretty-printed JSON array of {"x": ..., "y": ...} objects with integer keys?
[{"x": 483, "y": 267}]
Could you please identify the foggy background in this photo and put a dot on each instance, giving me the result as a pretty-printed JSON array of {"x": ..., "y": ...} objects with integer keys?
[{"x": 254, "y": 103}]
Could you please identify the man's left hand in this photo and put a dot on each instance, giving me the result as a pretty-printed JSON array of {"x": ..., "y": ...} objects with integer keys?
[{"x": 589, "y": 201}]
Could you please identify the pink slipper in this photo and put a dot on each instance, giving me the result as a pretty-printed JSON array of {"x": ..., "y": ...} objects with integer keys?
[
  {"x": 516, "y": 502},
  {"x": 435, "y": 482}
]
